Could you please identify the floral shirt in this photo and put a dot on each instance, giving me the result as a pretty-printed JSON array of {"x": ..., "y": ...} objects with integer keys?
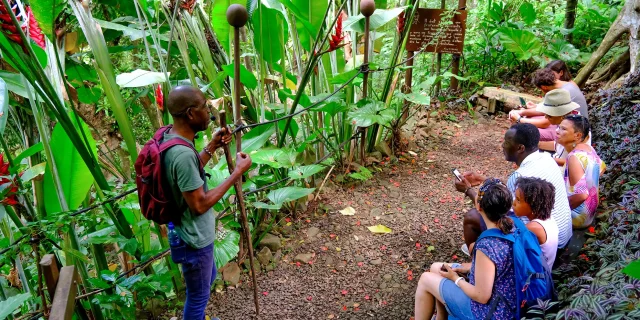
[
  {"x": 588, "y": 184},
  {"x": 501, "y": 253}
]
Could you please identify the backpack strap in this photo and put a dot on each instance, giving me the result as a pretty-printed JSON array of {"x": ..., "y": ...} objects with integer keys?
[{"x": 166, "y": 145}]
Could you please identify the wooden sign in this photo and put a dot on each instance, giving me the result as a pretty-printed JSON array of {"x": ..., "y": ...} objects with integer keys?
[{"x": 426, "y": 25}]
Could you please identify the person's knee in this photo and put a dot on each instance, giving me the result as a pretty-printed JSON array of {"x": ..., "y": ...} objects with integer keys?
[
  {"x": 471, "y": 216},
  {"x": 435, "y": 267}
]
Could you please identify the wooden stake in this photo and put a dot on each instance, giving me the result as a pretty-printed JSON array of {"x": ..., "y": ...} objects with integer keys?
[
  {"x": 367, "y": 8},
  {"x": 237, "y": 17}
]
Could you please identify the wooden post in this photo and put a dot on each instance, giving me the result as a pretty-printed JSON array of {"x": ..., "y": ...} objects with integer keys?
[
  {"x": 408, "y": 78},
  {"x": 51, "y": 272},
  {"x": 237, "y": 16},
  {"x": 443, "y": 5},
  {"x": 455, "y": 69},
  {"x": 367, "y": 8},
  {"x": 64, "y": 298}
]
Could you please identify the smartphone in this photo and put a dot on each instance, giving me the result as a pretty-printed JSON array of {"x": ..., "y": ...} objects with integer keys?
[
  {"x": 457, "y": 174},
  {"x": 523, "y": 102}
]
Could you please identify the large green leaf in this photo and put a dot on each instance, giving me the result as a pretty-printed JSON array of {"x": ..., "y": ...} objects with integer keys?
[
  {"x": 74, "y": 175},
  {"x": 28, "y": 153},
  {"x": 246, "y": 77},
  {"x": 633, "y": 269},
  {"x": 270, "y": 30},
  {"x": 219, "y": 23},
  {"x": 370, "y": 112},
  {"x": 4, "y": 105},
  {"x": 14, "y": 83},
  {"x": 267, "y": 157},
  {"x": 46, "y": 12},
  {"x": 227, "y": 248},
  {"x": 262, "y": 205},
  {"x": 33, "y": 172},
  {"x": 8, "y": 306},
  {"x": 287, "y": 194},
  {"x": 379, "y": 18},
  {"x": 304, "y": 172},
  {"x": 255, "y": 138},
  {"x": 523, "y": 43},
  {"x": 563, "y": 50},
  {"x": 140, "y": 78},
  {"x": 416, "y": 97},
  {"x": 528, "y": 13},
  {"x": 309, "y": 17}
]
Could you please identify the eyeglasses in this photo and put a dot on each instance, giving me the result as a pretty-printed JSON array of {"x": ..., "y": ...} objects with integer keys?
[{"x": 486, "y": 185}]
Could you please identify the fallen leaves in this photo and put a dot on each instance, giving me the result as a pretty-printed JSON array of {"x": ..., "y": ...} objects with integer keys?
[
  {"x": 379, "y": 229},
  {"x": 348, "y": 211}
]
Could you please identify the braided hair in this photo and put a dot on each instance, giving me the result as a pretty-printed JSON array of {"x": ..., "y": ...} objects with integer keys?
[{"x": 539, "y": 194}]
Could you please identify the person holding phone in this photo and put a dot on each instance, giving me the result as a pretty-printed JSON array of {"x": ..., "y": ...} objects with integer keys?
[
  {"x": 520, "y": 146},
  {"x": 491, "y": 271}
]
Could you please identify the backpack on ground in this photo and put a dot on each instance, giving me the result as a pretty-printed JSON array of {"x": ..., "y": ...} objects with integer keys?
[
  {"x": 532, "y": 276},
  {"x": 154, "y": 195}
]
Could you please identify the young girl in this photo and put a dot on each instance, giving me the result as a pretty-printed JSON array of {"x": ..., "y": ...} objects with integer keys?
[
  {"x": 534, "y": 199},
  {"x": 491, "y": 271}
]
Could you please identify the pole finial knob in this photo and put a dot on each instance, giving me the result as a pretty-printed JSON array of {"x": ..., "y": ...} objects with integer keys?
[
  {"x": 237, "y": 15},
  {"x": 367, "y": 7}
]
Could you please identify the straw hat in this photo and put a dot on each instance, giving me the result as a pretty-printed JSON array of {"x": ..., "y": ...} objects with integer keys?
[{"x": 557, "y": 103}]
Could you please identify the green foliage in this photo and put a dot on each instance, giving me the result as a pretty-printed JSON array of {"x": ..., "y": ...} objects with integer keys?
[
  {"x": 524, "y": 44},
  {"x": 8, "y": 306},
  {"x": 633, "y": 269},
  {"x": 226, "y": 247},
  {"x": 73, "y": 172},
  {"x": 287, "y": 194},
  {"x": 246, "y": 78},
  {"x": 528, "y": 13},
  {"x": 222, "y": 29},
  {"x": 368, "y": 112},
  {"x": 271, "y": 31},
  {"x": 309, "y": 18},
  {"x": 379, "y": 18},
  {"x": 304, "y": 172},
  {"x": 46, "y": 12},
  {"x": 363, "y": 174},
  {"x": 4, "y": 105}
]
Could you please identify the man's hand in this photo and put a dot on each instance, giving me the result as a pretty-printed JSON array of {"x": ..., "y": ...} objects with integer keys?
[
  {"x": 462, "y": 186},
  {"x": 220, "y": 138},
  {"x": 243, "y": 162},
  {"x": 514, "y": 115},
  {"x": 531, "y": 105},
  {"x": 474, "y": 178}
]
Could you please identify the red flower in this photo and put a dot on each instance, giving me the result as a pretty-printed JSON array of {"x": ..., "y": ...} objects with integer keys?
[
  {"x": 10, "y": 198},
  {"x": 338, "y": 37},
  {"x": 401, "y": 22},
  {"x": 160, "y": 98},
  {"x": 592, "y": 229},
  {"x": 34, "y": 29}
]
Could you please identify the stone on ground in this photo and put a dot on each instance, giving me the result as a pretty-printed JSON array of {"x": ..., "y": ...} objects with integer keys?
[
  {"x": 231, "y": 274},
  {"x": 303, "y": 257},
  {"x": 312, "y": 232},
  {"x": 264, "y": 256},
  {"x": 270, "y": 241}
]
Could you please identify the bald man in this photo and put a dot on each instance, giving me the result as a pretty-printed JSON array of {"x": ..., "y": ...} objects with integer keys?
[{"x": 181, "y": 168}]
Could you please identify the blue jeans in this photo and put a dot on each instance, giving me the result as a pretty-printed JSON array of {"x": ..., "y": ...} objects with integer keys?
[
  {"x": 199, "y": 271},
  {"x": 458, "y": 304}
]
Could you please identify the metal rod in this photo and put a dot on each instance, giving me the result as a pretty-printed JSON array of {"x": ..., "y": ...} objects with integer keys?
[
  {"x": 237, "y": 16},
  {"x": 367, "y": 7}
]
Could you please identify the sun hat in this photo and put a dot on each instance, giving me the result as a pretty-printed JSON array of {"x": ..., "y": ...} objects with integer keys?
[{"x": 557, "y": 103}]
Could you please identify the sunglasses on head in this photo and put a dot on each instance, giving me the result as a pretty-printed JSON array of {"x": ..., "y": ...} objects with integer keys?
[{"x": 486, "y": 185}]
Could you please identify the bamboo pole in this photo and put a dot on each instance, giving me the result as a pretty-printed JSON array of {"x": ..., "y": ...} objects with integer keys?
[{"x": 237, "y": 16}]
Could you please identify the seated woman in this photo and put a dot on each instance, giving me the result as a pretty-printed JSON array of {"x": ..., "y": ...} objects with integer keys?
[
  {"x": 561, "y": 71},
  {"x": 546, "y": 80},
  {"x": 583, "y": 169},
  {"x": 534, "y": 199},
  {"x": 491, "y": 272}
]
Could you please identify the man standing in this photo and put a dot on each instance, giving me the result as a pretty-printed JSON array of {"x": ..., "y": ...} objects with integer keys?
[
  {"x": 187, "y": 183},
  {"x": 521, "y": 147}
]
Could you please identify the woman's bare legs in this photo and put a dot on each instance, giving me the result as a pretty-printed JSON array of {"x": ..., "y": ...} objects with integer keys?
[{"x": 428, "y": 295}]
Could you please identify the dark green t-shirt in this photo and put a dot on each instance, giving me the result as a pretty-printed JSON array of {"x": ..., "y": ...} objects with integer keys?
[{"x": 181, "y": 168}]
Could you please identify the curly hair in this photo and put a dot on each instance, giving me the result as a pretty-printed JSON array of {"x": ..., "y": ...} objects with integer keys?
[
  {"x": 543, "y": 77},
  {"x": 539, "y": 194}
]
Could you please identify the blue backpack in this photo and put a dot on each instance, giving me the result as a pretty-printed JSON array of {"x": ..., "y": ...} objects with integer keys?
[{"x": 533, "y": 279}]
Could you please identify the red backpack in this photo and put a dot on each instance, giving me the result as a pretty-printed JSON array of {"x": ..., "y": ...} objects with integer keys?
[{"x": 156, "y": 202}]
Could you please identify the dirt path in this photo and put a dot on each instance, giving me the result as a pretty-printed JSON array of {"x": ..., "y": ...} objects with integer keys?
[{"x": 355, "y": 274}]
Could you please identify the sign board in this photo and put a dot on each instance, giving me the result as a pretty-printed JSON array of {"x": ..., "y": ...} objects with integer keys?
[{"x": 426, "y": 25}]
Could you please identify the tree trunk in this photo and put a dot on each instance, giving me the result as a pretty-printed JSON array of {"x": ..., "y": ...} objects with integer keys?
[
  {"x": 628, "y": 21},
  {"x": 570, "y": 18}
]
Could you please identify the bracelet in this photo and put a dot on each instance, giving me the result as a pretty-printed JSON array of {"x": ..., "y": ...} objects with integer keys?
[
  {"x": 458, "y": 280},
  {"x": 207, "y": 152}
]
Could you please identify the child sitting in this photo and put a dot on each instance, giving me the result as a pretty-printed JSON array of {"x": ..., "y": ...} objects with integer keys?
[{"x": 534, "y": 200}]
